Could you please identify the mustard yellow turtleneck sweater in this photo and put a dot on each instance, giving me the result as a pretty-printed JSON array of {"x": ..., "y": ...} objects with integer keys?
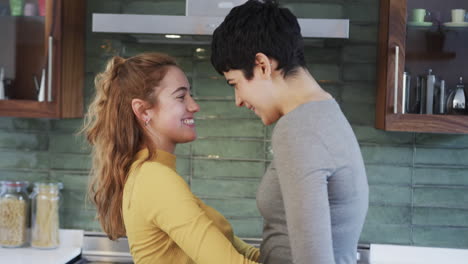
[{"x": 167, "y": 223}]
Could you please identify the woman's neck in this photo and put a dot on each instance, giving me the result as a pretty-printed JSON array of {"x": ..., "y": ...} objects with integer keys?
[
  {"x": 299, "y": 89},
  {"x": 170, "y": 148}
]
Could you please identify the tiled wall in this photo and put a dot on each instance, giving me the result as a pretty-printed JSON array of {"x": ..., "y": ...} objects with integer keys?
[{"x": 418, "y": 182}]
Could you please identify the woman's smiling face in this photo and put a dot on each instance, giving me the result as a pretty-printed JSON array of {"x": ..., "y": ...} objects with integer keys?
[
  {"x": 255, "y": 94},
  {"x": 173, "y": 119}
]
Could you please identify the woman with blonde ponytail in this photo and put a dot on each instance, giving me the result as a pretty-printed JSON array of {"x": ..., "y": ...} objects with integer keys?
[{"x": 141, "y": 111}]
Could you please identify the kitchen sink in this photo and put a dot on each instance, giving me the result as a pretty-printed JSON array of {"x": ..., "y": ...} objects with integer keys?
[{"x": 99, "y": 249}]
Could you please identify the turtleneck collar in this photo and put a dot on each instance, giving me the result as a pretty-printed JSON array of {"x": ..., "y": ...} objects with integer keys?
[{"x": 161, "y": 156}]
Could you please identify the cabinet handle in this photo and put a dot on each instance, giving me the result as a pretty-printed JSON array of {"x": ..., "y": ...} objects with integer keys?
[
  {"x": 50, "y": 68},
  {"x": 395, "y": 95},
  {"x": 403, "y": 94}
]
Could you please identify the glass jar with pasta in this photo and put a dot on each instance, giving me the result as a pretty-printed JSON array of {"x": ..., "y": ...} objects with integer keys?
[
  {"x": 14, "y": 214},
  {"x": 45, "y": 201}
]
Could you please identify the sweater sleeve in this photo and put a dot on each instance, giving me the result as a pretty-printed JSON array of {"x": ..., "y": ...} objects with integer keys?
[
  {"x": 245, "y": 249},
  {"x": 175, "y": 210},
  {"x": 303, "y": 165}
]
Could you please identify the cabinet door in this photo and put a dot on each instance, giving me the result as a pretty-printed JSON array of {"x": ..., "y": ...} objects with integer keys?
[
  {"x": 416, "y": 36},
  {"x": 39, "y": 36}
]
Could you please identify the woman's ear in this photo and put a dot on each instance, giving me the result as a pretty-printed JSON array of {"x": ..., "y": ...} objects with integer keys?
[
  {"x": 264, "y": 63},
  {"x": 141, "y": 110}
]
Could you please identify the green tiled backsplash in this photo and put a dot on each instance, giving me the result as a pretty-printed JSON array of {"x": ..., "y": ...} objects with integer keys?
[{"x": 418, "y": 182}]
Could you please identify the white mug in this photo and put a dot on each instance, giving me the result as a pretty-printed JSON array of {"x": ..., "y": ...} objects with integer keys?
[
  {"x": 29, "y": 9},
  {"x": 419, "y": 14},
  {"x": 458, "y": 15}
]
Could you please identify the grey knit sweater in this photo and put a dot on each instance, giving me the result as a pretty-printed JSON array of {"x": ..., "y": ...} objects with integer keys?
[{"x": 314, "y": 195}]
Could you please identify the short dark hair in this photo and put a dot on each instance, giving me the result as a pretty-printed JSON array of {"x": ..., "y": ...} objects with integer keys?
[{"x": 258, "y": 26}]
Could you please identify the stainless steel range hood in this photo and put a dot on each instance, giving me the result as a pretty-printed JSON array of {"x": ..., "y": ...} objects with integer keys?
[{"x": 201, "y": 18}]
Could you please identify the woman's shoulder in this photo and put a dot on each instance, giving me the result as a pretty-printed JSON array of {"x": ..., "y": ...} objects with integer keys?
[
  {"x": 155, "y": 165},
  {"x": 309, "y": 120},
  {"x": 161, "y": 184},
  {"x": 152, "y": 173}
]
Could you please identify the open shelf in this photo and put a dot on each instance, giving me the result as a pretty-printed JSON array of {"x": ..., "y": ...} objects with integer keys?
[
  {"x": 431, "y": 56},
  {"x": 427, "y": 123},
  {"x": 28, "y": 108}
]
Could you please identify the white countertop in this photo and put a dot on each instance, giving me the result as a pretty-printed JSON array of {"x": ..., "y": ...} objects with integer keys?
[
  {"x": 394, "y": 254},
  {"x": 38, "y": 256},
  {"x": 71, "y": 242}
]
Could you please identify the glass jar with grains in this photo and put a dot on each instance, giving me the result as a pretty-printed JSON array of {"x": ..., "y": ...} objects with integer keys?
[
  {"x": 45, "y": 226},
  {"x": 13, "y": 213}
]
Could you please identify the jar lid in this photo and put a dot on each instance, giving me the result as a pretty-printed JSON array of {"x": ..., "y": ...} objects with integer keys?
[
  {"x": 48, "y": 185},
  {"x": 15, "y": 183}
]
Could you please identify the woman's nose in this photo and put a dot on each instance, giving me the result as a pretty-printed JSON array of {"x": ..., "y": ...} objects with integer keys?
[{"x": 193, "y": 106}]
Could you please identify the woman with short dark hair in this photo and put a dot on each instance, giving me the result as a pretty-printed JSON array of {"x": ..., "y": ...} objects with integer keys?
[{"x": 314, "y": 195}]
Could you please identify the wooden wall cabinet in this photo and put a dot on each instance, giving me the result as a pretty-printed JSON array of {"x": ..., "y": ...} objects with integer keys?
[
  {"x": 53, "y": 41},
  {"x": 395, "y": 57}
]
